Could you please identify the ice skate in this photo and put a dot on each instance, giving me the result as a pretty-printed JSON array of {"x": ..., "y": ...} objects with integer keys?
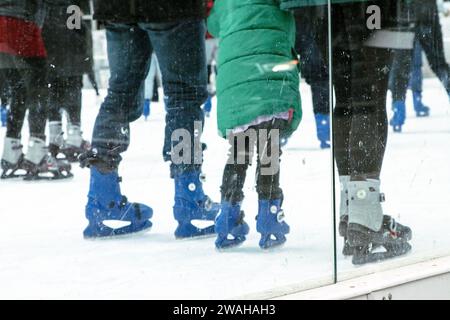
[
  {"x": 106, "y": 203},
  {"x": 3, "y": 115},
  {"x": 12, "y": 159},
  {"x": 56, "y": 139},
  {"x": 230, "y": 227},
  {"x": 343, "y": 215},
  {"x": 191, "y": 203},
  {"x": 74, "y": 145},
  {"x": 270, "y": 223},
  {"x": 40, "y": 165},
  {"x": 323, "y": 130},
  {"x": 398, "y": 120},
  {"x": 421, "y": 109},
  {"x": 371, "y": 235},
  {"x": 146, "y": 110}
]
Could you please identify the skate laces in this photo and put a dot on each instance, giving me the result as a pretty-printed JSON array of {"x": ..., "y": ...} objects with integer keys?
[{"x": 393, "y": 229}]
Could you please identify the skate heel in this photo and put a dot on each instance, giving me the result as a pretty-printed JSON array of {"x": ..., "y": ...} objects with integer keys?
[
  {"x": 191, "y": 203},
  {"x": 230, "y": 226},
  {"x": 106, "y": 203},
  {"x": 270, "y": 223}
]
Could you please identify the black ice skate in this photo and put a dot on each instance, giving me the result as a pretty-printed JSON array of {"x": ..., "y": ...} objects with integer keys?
[
  {"x": 343, "y": 214},
  {"x": 370, "y": 246},
  {"x": 71, "y": 153},
  {"x": 12, "y": 159},
  {"x": 372, "y": 236},
  {"x": 74, "y": 145},
  {"x": 42, "y": 166}
]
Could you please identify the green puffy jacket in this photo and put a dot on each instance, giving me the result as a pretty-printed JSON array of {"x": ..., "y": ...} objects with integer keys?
[
  {"x": 292, "y": 4},
  {"x": 256, "y": 41}
]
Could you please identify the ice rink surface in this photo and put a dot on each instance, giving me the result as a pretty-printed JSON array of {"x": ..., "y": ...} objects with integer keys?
[{"x": 44, "y": 256}]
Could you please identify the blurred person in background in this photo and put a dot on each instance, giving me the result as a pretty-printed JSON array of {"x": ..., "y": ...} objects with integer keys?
[
  {"x": 428, "y": 32},
  {"x": 23, "y": 60},
  {"x": 69, "y": 57}
]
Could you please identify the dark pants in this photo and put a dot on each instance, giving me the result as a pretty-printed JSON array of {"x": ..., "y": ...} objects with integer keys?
[
  {"x": 360, "y": 79},
  {"x": 65, "y": 93},
  {"x": 429, "y": 35},
  {"x": 181, "y": 54},
  {"x": 267, "y": 185},
  {"x": 313, "y": 66},
  {"x": 27, "y": 86}
]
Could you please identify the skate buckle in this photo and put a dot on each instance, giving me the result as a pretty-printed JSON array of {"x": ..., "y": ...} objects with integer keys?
[
  {"x": 382, "y": 197},
  {"x": 281, "y": 216}
]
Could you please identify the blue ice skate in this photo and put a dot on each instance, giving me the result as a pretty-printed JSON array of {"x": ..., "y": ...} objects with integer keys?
[
  {"x": 270, "y": 223},
  {"x": 191, "y": 203},
  {"x": 146, "y": 110},
  {"x": 421, "y": 109},
  {"x": 323, "y": 130},
  {"x": 230, "y": 222},
  {"x": 3, "y": 115},
  {"x": 398, "y": 120},
  {"x": 105, "y": 202},
  {"x": 207, "y": 107}
]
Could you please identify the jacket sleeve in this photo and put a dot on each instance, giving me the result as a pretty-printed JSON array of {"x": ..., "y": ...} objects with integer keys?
[{"x": 214, "y": 23}]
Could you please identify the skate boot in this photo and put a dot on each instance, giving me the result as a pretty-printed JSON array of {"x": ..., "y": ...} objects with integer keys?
[
  {"x": 56, "y": 138},
  {"x": 421, "y": 109},
  {"x": 231, "y": 228},
  {"x": 369, "y": 231},
  {"x": 191, "y": 203},
  {"x": 74, "y": 145},
  {"x": 106, "y": 203},
  {"x": 270, "y": 223},
  {"x": 146, "y": 110},
  {"x": 207, "y": 107},
  {"x": 12, "y": 159},
  {"x": 323, "y": 130},
  {"x": 398, "y": 120},
  {"x": 343, "y": 214},
  {"x": 40, "y": 165},
  {"x": 3, "y": 115}
]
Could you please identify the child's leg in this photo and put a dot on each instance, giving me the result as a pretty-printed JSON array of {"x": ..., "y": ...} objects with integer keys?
[
  {"x": 231, "y": 219},
  {"x": 235, "y": 170},
  {"x": 268, "y": 160},
  {"x": 270, "y": 219}
]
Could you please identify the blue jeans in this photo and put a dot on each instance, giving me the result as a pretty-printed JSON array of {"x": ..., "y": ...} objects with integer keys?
[
  {"x": 416, "y": 77},
  {"x": 180, "y": 49}
]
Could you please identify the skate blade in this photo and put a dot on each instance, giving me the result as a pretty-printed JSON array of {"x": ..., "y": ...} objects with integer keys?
[
  {"x": 230, "y": 248},
  {"x": 364, "y": 258},
  {"x": 55, "y": 177},
  {"x": 119, "y": 236},
  {"x": 201, "y": 237},
  {"x": 12, "y": 176}
]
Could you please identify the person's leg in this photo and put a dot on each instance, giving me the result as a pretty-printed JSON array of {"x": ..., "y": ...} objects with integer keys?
[
  {"x": 270, "y": 219},
  {"x": 416, "y": 80},
  {"x": 71, "y": 100},
  {"x": 129, "y": 55},
  {"x": 149, "y": 87},
  {"x": 366, "y": 125},
  {"x": 230, "y": 221},
  {"x": 129, "y": 52},
  {"x": 38, "y": 162},
  {"x": 314, "y": 68},
  {"x": 429, "y": 32},
  {"x": 54, "y": 105},
  {"x": 18, "y": 108},
  {"x": 400, "y": 75},
  {"x": 12, "y": 156},
  {"x": 184, "y": 83}
]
